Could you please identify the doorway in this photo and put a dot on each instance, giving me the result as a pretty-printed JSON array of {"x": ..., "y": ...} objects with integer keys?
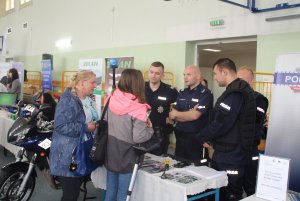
[{"x": 242, "y": 52}]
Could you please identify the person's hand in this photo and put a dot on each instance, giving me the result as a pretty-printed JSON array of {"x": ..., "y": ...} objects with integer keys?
[
  {"x": 196, "y": 106},
  {"x": 172, "y": 114},
  {"x": 92, "y": 126},
  {"x": 169, "y": 121},
  {"x": 149, "y": 123},
  {"x": 206, "y": 145}
]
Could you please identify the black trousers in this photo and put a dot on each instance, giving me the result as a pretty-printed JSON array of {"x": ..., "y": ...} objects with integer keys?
[
  {"x": 234, "y": 190},
  {"x": 70, "y": 187},
  {"x": 163, "y": 149},
  {"x": 188, "y": 147},
  {"x": 249, "y": 182}
]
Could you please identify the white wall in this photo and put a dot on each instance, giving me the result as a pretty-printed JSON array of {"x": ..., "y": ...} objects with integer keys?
[{"x": 97, "y": 24}]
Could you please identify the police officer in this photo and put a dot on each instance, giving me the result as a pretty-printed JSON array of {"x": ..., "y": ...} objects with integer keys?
[
  {"x": 191, "y": 114},
  {"x": 160, "y": 96},
  {"x": 262, "y": 103},
  {"x": 231, "y": 128}
]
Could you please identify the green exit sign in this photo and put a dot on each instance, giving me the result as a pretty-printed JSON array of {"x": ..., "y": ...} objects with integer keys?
[{"x": 214, "y": 23}]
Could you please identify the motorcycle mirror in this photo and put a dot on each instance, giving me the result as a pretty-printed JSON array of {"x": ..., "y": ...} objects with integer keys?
[{"x": 20, "y": 103}]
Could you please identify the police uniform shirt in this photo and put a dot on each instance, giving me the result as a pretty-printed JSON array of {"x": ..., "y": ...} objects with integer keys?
[
  {"x": 187, "y": 100},
  {"x": 225, "y": 116},
  {"x": 160, "y": 101},
  {"x": 261, "y": 111}
]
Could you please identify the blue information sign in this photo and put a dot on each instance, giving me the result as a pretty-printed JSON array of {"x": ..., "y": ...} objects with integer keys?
[{"x": 46, "y": 75}]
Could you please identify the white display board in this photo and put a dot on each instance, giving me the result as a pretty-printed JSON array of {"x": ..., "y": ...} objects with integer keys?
[
  {"x": 283, "y": 127},
  {"x": 272, "y": 179}
]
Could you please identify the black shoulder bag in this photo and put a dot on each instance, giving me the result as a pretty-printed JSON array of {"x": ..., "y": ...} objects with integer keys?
[{"x": 98, "y": 151}]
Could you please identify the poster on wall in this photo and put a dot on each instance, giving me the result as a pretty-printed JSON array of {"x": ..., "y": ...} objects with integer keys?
[
  {"x": 46, "y": 75},
  {"x": 283, "y": 130},
  {"x": 94, "y": 65},
  {"x": 122, "y": 63}
]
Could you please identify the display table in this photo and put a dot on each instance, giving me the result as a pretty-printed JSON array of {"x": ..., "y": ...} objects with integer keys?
[
  {"x": 190, "y": 182},
  {"x": 254, "y": 198},
  {"x": 5, "y": 124}
]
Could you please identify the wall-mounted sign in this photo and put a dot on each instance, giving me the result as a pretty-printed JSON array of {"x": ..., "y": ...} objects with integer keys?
[{"x": 218, "y": 22}]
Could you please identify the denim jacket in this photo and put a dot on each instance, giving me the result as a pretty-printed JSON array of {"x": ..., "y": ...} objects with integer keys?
[{"x": 68, "y": 122}]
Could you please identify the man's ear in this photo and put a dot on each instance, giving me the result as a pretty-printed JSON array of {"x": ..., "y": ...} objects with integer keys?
[{"x": 224, "y": 71}]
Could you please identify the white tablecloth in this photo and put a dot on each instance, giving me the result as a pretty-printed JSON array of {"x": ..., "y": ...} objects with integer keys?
[
  {"x": 254, "y": 198},
  {"x": 150, "y": 187},
  {"x": 5, "y": 124}
]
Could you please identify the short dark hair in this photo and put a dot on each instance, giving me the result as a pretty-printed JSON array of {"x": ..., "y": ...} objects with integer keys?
[
  {"x": 158, "y": 64},
  {"x": 225, "y": 63}
]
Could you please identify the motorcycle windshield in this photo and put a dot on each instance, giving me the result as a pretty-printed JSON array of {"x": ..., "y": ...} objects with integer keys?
[{"x": 18, "y": 130}]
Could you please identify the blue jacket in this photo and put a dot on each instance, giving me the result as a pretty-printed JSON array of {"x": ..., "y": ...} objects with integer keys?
[{"x": 68, "y": 122}]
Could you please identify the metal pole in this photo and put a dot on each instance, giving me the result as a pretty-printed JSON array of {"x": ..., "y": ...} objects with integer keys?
[{"x": 134, "y": 174}]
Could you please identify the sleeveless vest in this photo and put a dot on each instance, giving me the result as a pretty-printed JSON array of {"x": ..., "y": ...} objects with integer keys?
[
  {"x": 243, "y": 130},
  {"x": 259, "y": 118}
]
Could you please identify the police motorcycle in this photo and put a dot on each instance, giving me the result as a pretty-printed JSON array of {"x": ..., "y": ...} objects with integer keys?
[{"x": 32, "y": 133}]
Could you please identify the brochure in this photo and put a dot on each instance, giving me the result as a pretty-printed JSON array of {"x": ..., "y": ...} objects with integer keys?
[{"x": 182, "y": 177}]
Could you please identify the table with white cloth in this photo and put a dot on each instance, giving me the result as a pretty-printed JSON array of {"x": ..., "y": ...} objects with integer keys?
[
  {"x": 5, "y": 124},
  {"x": 151, "y": 187},
  {"x": 254, "y": 198}
]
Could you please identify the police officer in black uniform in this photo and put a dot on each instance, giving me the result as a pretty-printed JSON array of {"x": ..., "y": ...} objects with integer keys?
[
  {"x": 160, "y": 96},
  {"x": 191, "y": 114},
  {"x": 262, "y": 103},
  {"x": 231, "y": 128}
]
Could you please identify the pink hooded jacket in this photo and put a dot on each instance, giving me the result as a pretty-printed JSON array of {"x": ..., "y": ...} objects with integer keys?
[{"x": 129, "y": 104}]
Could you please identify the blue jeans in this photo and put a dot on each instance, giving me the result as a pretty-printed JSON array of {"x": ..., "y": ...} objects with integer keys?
[{"x": 117, "y": 185}]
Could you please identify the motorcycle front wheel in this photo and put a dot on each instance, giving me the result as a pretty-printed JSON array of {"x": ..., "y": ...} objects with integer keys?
[{"x": 10, "y": 182}]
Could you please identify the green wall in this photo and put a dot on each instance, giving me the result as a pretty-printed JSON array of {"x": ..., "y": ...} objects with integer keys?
[
  {"x": 269, "y": 46},
  {"x": 174, "y": 56}
]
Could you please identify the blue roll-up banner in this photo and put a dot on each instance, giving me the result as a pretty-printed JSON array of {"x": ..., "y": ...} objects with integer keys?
[
  {"x": 283, "y": 138},
  {"x": 46, "y": 75}
]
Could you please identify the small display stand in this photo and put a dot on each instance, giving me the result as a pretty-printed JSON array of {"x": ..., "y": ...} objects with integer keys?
[{"x": 272, "y": 179}]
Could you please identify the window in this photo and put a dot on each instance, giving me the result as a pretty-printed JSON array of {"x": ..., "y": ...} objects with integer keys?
[
  {"x": 9, "y": 5},
  {"x": 25, "y": 3},
  {"x": 22, "y": 2}
]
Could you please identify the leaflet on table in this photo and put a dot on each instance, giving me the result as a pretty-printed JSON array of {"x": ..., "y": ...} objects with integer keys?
[
  {"x": 152, "y": 166},
  {"x": 272, "y": 180},
  {"x": 182, "y": 176},
  {"x": 206, "y": 172},
  {"x": 294, "y": 196}
]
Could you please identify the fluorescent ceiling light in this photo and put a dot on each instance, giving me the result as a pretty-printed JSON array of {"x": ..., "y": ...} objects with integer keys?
[
  {"x": 211, "y": 50},
  {"x": 64, "y": 43},
  {"x": 286, "y": 17}
]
